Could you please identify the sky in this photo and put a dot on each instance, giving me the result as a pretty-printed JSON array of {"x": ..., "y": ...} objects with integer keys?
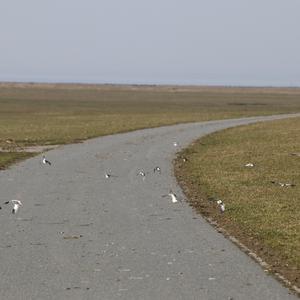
[{"x": 189, "y": 42}]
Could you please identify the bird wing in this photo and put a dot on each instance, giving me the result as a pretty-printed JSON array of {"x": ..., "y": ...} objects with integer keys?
[{"x": 18, "y": 202}]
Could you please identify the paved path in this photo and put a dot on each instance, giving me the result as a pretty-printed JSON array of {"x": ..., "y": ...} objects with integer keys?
[{"x": 81, "y": 236}]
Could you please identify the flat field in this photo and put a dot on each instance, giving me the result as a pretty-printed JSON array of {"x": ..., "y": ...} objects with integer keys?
[
  {"x": 47, "y": 114},
  {"x": 55, "y": 114}
]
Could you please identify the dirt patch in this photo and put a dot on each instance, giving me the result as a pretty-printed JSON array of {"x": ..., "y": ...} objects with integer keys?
[{"x": 32, "y": 149}]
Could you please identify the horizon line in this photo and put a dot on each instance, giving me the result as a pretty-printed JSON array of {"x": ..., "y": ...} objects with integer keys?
[{"x": 116, "y": 84}]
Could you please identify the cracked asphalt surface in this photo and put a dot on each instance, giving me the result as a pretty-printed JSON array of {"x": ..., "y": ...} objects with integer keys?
[{"x": 82, "y": 236}]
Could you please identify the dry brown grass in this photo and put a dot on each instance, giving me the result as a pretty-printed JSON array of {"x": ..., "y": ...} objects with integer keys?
[
  {"x": 8, "y": 158},
  {"x": 43, "y": 114},
  {"x": 263, "y": 215}
]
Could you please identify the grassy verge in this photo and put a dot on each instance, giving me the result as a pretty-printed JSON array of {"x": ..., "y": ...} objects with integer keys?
[
  {"x": 263, "y": 215},
  {"x": 8, "y": 158}
]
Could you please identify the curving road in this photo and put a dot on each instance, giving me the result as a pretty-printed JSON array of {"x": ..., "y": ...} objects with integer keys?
[{"x": 82, "y": 236}]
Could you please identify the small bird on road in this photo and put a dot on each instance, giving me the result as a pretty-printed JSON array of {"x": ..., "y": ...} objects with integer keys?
[
  {"x": 173, "y": 197},
  {"x": 45, "y": 161},
  {"x": 16, "y": 205},
  {"x": 108, "y": 175},
  {"x": 141, "y": 173},
  {"x": 157, "y": 169}
]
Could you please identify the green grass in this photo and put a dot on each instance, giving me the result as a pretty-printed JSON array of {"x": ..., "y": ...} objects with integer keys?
[{"x": 263, "y": 215}]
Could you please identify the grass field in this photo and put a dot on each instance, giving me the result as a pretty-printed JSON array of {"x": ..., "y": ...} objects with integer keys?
[
  {"x": 42, "y": 114},
  {"x": 49, "y": 114},
  {"x": 263, "y": 215}
]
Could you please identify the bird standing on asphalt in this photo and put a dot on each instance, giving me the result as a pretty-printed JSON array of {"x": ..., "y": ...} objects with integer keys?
[
  {"x": 16, "y": 205},
  {"x": 45, "y": 161},
  {"x": 108, "y": 175},
  {"x": 142, "y": 174},
  {"x": 157, "y": 169},
  {"x": 173, "y": 197}
]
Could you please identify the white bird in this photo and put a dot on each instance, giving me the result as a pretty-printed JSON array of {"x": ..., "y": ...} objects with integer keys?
[
  {"x": 141, "y": 173},
  {"x": 157, "y": 169},
  {"x": 222, "y": 207},
  {"x": 249, "y": 165},
  {"x": 288, "y": 184},
  {"x": 173, "y": 197},
  {"x": 175, "y": 144},
  {"x": 16, "y": 205},
  {"x": 221, "y": 204},
  {"x": 108, "y": 175},
  {"x": 45, "y": 161},
  {"x": 284, "y": 184}
]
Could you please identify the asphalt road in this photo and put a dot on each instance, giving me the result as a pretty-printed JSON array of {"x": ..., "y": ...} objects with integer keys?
[{"x": 82, "y": 236}]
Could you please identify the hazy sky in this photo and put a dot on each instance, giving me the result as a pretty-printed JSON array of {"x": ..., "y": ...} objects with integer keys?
[{"x": 232, "y": 42}]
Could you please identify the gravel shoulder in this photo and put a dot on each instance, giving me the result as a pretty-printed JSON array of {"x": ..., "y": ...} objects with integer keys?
[{"x": 82, "y": 236}]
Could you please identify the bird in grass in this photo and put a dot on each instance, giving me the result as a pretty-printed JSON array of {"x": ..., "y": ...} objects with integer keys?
[
  {"x": 45, "y": 161},
  {"x": 221, "y": 204},
  {"x": 222, "y": 207},
  {"x": 16, "y": 205},
  {"x": 249, "y": 165},
  {"x": 283, "y": 184},
  {"x": 157, "y": 170}
]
